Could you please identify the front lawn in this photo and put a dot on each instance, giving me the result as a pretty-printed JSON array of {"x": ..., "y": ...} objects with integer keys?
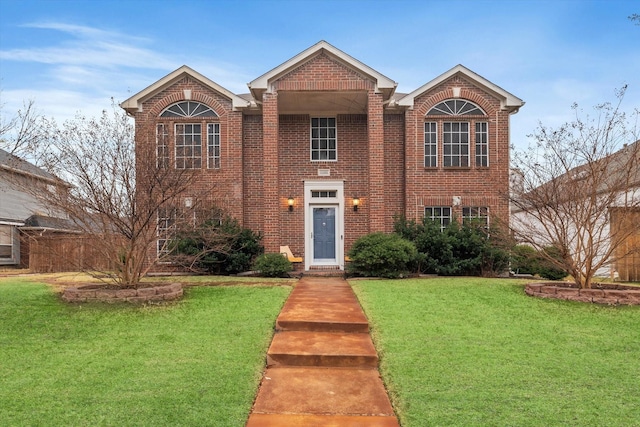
[
  {"x": 479, "y": 352},
  {"x": 191, "y": 363}
]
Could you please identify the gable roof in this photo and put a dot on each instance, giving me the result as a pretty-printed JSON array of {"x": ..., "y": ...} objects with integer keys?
[
  {"x": 383, "y": 84},
  {"x": 134, "y": 103},
  {"x": 508, "y": 101},
  {"x": 15, "y": 164}
]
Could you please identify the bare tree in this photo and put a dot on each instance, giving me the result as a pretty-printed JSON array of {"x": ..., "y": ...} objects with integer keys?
[
  {"x": 112, "y": 189},
  {"x": 22, "y": 133},
  {"x": 571, "y": 180}
]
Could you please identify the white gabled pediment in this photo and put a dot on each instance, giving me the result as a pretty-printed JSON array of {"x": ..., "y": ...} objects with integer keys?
[
  {"x": 134, "y": 104},
  {"x": 262, "y": 84},
  {"x": 508, "y": 101}
]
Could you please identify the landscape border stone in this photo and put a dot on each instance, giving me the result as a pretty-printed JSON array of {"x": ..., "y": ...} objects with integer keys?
[
  {"x": 153, "y": 293},
  {"x": 600, "y": 293}
]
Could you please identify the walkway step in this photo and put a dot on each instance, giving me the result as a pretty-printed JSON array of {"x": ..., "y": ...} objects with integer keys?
[
  {"x": 322, "y": 391},
  {"x": 281, "y": 420},
  {"x": 327, "y": 307},
  {"x": 296, "y": 348}
]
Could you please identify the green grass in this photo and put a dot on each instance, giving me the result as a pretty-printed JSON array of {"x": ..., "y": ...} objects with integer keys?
[
  {"x": 192, "y": 363},
  {"x": 479, "y": 352}
]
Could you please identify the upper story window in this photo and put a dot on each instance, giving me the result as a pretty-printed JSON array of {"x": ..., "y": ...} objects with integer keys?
[
  {"x": 190, "y": 137},
  {"x": 323, "y": 139},
  {"x": 456, "y": 136},
  {"x": 456, "y": 107},
  {"x": 188, "y": 109}
]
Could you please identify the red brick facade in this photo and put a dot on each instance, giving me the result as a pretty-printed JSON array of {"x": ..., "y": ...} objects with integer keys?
[{"x": 265, "y": 140}]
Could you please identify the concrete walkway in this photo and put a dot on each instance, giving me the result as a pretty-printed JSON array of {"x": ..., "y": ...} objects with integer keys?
[{"x": 322, "y": 368}]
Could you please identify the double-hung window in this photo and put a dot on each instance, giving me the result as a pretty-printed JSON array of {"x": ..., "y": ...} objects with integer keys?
[
  {"x": 213, "y": 145},
  {"x": 476, "y": 214},
  {"x": 430, "y": 145},
  {"x": 323, "y": 139},
  {"x": 455, "y": 144},
  {"x": 439, "y": 214},
  {"x": 188, "y": 146},
  {"x": 482, "y": 144}
]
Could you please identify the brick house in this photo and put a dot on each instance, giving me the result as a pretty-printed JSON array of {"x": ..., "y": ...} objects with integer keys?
[{"x": 322, "y": 150}]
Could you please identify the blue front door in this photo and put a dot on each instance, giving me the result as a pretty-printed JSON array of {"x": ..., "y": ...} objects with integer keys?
[{"x": 324, "y": 234}]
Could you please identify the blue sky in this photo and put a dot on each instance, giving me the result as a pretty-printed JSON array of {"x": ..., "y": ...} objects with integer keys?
[{"x": 71, "y": 55}]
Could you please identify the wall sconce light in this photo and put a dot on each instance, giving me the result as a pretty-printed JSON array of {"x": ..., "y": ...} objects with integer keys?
[
  {"x": 290, "y": 203},
  {"x": 356, "y": 203}
]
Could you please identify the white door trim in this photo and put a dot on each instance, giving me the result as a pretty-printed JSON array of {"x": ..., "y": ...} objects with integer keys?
[{"x": 310, "y": 203}]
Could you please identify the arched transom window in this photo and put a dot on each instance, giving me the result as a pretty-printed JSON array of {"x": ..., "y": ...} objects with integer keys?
[
  {"x": 188, "y": 109},
  {"x": 456, "y": 107}
]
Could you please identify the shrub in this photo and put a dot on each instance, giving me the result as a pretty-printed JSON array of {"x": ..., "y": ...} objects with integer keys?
[
  {"x": 527, "y": 260},
  {"x": 216, "y": 246},
  {"x": 272, "y": 265},
  {"x": 467, "y": 249},
  {"x": 382, "y": 255}
]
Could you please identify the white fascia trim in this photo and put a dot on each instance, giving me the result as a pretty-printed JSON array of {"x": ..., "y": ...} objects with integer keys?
[
  {"x": 134, "y": 103},
  {"x": 262, "y": 82},
  {"x": 508, "y": 101}
]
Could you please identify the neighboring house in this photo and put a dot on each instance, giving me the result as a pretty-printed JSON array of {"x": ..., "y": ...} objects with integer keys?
[
  {"x": 608, "y": 187},
  {"x": 322, "y": 150},
  {"x": 17, "y": 205}
]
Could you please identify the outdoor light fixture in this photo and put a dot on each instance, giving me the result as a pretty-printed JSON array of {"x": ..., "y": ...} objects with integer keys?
[
  {"x": 290, "y": 203},
  {"x": 356, "y": 202}
]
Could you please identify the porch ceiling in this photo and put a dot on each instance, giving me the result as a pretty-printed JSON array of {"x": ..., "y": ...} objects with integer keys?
[{"x": 322, "y": 102}]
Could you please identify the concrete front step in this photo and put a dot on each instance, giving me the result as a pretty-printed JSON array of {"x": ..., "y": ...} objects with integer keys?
[
  {"x": 281, "y": 420},
  {"x": 322, "y": 391},
  {"x": 328, "y": 349}
]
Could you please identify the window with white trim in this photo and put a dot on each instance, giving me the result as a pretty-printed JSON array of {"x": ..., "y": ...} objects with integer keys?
[
  {"x": 439, "y": 214},
  {"x": 213, "y": 145},
  {"x": 456, "y": 107},
  {"x": 323, "y": 194},
  {"x": 476, "y": 214},
  {"x": 430, "y": 145},
  {"x": 455, "y": 144},
  {"x": 188, "y": 109},
  {"x": 165, "y": 228},
  {"x": 162, "y": 146},
  {"x": 482, "y": 144},
  {"x": 323, "y": 139},
  {"x": 188, "y": 146}
]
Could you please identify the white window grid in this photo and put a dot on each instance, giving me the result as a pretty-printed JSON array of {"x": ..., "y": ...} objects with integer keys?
[
  {"x": 482, "y": 144},
  {"x": 162, "y": 146},
  {"x": 455, "y": 144},
  {"x": 188, "y": 109},
  {"x": 440, "y": 214},
  {"x": 430, "y": 144},
  {"x": 324, "y": 139},
  {"x": 455, "y": 107},
  {"x": 323, "y": 194},
  {"x": 188, "y": 146},
  {"x": 165, "y": 227},
  {"x": 478, "y": 214},
  {"x": 213, "y": 145}
]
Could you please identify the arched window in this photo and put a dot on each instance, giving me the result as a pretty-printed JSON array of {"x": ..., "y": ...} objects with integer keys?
[
  {"x": 456, "y": 107},
  {"x": 188, "y": 109},
  {"x": 458, "y": 138},
  {"x": 191, "y": 137}
]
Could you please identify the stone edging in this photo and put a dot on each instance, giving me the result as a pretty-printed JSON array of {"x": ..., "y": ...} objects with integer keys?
[
  {"x": 600, "y": 294},
  {"x": 152, "y": 294}
]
